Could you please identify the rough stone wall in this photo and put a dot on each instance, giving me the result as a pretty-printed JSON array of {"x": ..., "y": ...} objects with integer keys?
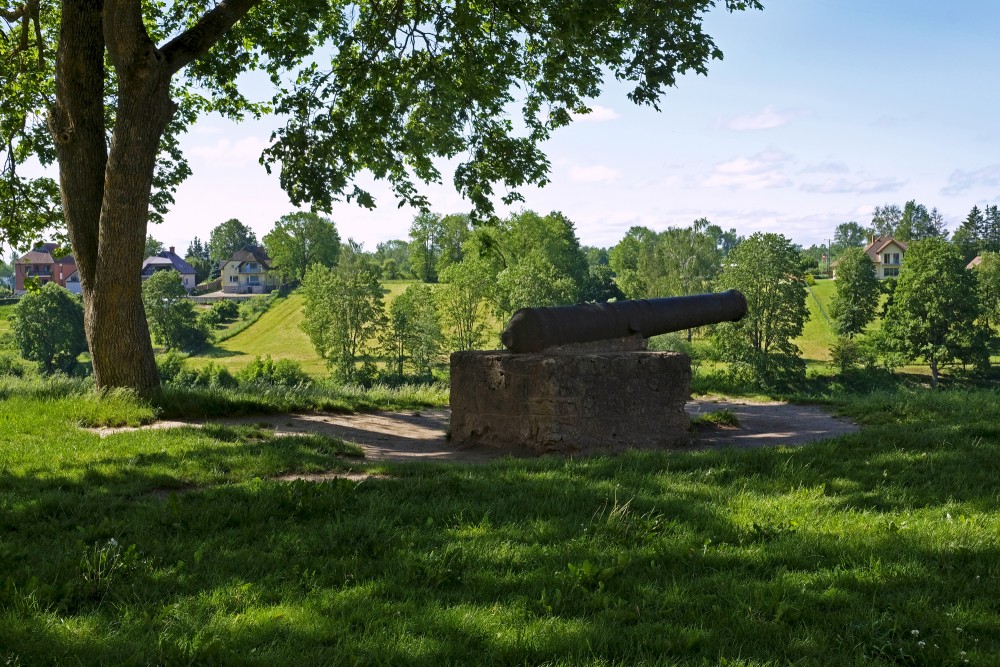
[{"x": 599, "y": 402}]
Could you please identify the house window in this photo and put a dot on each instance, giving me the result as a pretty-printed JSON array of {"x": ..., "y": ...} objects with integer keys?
[
  {"x": 253, "y": 280},
  {"x": 234, "y": 279},
  {"x": 885, "y": 258},
  {"x": 895, "y": 258},
  {"x": 891, "y": 273}
]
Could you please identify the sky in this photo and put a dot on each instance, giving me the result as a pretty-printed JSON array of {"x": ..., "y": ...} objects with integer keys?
[{"x": 820, "y": 111}]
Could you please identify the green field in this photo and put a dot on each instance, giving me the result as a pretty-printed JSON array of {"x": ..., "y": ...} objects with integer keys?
[
  {"x": 817, "y": 334},
  {"x": 183, "y": 547}
]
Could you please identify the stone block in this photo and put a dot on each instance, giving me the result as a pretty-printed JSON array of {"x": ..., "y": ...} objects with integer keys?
[{"x": 581, "y": 402}]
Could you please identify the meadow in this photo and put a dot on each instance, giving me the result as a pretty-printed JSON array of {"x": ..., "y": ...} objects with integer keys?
[{"x": 183, "y": 546}]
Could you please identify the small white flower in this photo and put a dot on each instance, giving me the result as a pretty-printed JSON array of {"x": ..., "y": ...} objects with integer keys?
[
  {"x": 921, "y": 644},
  {"x": 915, "y": 633},
  {"x": 113, "y": 542}
]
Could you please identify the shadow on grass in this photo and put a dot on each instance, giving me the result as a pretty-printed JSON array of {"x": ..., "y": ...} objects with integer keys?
[{"x": 851, "y": 551}]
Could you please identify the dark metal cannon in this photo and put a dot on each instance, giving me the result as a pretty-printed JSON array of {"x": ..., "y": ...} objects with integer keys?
[{"x": 535, "y": 329}]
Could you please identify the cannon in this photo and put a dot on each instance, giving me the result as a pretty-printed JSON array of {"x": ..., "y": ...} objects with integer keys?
[{"x": 536, "y": 329}]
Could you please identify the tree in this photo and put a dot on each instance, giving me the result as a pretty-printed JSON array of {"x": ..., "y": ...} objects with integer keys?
[
  {"x": 461, "y": 301},
  {"x": 988, "y": 278},
  {"x": 300, "y": 240},
  {"x": 436, "y": 242},
  {"x": 631, "y": 258},
  {"x": 971, "y": 234},
  {"x": 343, "y": 308},
  {"x": 171, "y": 315},
  {"x": 765, "y": 268},
  {"x": 47, "y": 326},
  {"x": 227, "y": 238},
  {"x": 886, "y": 219},
  {"x": 856, "y": 298},
  {"x": 412, "y": 332},
  {"x": 850, "y": 235},
  {"x": 198, "y": 250},
  {"x": 935, "y": 308},
  {"x": 153, "y": 247},
  {"x": 364, "y": 86},
  {"x": 393, "y": 257}
]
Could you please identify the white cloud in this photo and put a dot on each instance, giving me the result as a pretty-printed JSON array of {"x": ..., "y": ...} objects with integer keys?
[
  {"x": 598, "y": 114},
  {"x": 757, "y": 172},
  {"x": 597, "y": 173},
  {"x": 768, "y": 119},
  {"x": 225, "y": 152},
  {"x": 960, "y": 180},
  {"x": 828, "y": 167},
  {"x": 863, "y": 186}
]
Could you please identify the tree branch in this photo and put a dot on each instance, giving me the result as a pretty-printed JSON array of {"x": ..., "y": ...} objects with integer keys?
[
  {"x": 124, "y": 32},
  {"x": 11, "y": 15},
  {"x": 199, "y": 38}
]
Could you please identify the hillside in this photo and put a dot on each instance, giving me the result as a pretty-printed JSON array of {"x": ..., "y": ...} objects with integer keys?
[
  {"x": 279, "y": 333},
  {"x": 817, "y": 334}
]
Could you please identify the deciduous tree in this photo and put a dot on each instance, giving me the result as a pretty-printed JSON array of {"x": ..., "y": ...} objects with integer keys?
[
  {"x": 412, "y": 333},
  {"x": 857, "y": 291},
  {"x": 227, "y": 238},
  {"x": 343, "y": 308},
  {"x": 172, "y": 317},
  {"x": 300, "y": 240},
  {"x": 935, "y": 310},
  {"x": 765, "y": 268},
  {"x": 104, "y": 87}
]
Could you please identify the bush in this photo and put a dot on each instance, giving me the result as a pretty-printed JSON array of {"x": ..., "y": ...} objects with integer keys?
[
  {"x": 253, "y": 308},
  {"x": 810, "y": 279},
  {"x": 226, "y": 310},
  {"x": 10, "y": 367},
  {"x": 266, "y": 371},
  {"x": 169, "y": 366},
  {"x": 47, "y": 326}
]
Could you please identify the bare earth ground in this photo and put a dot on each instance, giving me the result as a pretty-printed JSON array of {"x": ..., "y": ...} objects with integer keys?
[{"x": 421, "y": 435}]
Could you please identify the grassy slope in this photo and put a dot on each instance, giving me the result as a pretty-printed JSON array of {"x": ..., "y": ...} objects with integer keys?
[
  {"x": 817, "y": 334},
  {"x": 178, "y": 546},
  {"x": 5, "y": 312}
]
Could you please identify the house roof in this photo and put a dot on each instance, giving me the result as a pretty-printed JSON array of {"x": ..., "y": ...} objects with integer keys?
[
  {"x": 976, "y": 261},
  {"x": 880, "y": 243},
  {"x": 42, "y": 254},
  {"x": 168, "y": 259},
  {"x": 251, "y": 253}
]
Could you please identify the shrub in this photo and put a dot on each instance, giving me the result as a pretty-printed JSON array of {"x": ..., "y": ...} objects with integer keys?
[
  {"x": 266, "y": 371},
  {"x": 226, "y": 310},
  {"x": 47, "y": 326},
  {"x": 169, "y": 366},
  {"x": 10, "y": 367}
]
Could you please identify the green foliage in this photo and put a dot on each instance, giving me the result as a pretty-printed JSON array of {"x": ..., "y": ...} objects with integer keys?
[
  {"x": 461, "y": 303},
  {"x": 153, "y": 247},
  {"x": 412, "y": 332},
  {"x": 266, "y": 371},
  {"x": 856, "y": 300},
  {"x": 202, "y": 268},
  {"x": 226, "y": 309},
  {"x": 849, "y": 235},
  {"x": 935, "y": 310},
  {"x": 535, "y": 260},
  {"x": 765, "y": 268},
  {"x": 675, "y": 262},
  {"x": 393, "y": 257},
  {"x": 10, "y": 366},
  {"x": 343, "y": 309},
  {"x": 716, "y": 418},
  {"x": 47, "y": 326},
  {"x": 227, "y": 238},
  {"x": 300, "y": 240},
  {"x": 988, "y": 278},
  {"x": 171, "y": 315}
]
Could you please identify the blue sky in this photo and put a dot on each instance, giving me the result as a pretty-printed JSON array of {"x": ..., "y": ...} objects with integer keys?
[{"x": 821, "y": 110}]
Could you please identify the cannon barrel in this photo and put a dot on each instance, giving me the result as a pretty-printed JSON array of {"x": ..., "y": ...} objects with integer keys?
[{"x": 535, "y": 329}]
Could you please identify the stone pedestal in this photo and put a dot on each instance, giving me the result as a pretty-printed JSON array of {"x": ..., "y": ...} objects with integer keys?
[{"x": 566, "y": 403}]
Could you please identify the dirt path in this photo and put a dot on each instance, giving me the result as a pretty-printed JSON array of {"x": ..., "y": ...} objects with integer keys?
[{"x": 420, "y": 435}]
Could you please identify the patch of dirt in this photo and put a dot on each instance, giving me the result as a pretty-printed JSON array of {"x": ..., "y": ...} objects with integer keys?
[{"x": 421, "y": 435}]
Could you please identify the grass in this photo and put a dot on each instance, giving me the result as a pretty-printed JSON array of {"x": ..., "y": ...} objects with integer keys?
[
  {"x": 182, "y": 547},
  {"x": 716, "y": 418},
  {"x": 817, "y": 334}
]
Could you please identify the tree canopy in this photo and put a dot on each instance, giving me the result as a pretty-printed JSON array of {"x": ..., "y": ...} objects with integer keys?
[
  {"x": 105, "y": 87},
  {"x": 857, "y": 291},
  {"x": 300, "y": 240}
]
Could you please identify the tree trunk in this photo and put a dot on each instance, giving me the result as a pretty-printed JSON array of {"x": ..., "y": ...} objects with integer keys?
[
  {"x": 934, "y": 373},
  {"x": 106, "y": 195}
]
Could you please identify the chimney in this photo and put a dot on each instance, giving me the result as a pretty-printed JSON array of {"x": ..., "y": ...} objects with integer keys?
[{"x": 172, "y": 250}]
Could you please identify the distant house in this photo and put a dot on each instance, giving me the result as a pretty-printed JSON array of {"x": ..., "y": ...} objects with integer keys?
[
  {"x": 249, "y": 271},
  {"x": 887, "y": 255},
  {"x": 168, "y": 260},
  {"x": 976, "y": 261},
  {"x": 41, "y": 264}
]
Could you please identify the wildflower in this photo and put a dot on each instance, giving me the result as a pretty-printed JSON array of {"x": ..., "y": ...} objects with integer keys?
[
  {"x": 921, "y": 644},
  {"x": 915, "y": 633}
]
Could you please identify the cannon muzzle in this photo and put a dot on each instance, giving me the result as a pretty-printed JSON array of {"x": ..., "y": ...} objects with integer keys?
[{"x": 535, "y": 329}]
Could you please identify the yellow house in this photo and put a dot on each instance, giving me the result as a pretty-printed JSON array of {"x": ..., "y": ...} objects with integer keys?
[{"x": 249, "y": 271}]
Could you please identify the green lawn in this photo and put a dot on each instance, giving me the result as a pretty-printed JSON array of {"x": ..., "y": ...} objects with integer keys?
[
  {"x": 180, "y": 546},
  {"x": 817, "y": 334},
  {"x": 279, "y": 333}
]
